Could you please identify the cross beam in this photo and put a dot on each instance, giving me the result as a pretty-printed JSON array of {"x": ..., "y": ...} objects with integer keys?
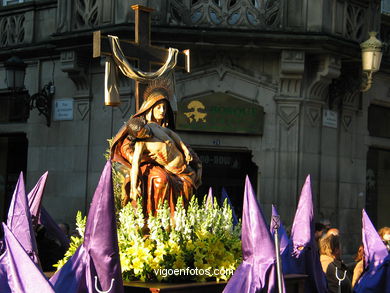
[{"x": 140, "y": 50}]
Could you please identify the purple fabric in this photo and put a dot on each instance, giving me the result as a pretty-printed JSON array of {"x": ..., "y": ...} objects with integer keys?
[
  {"x": 210, "y": 198},
  {"x": 41, "y": 216},
  {"x": 19, "y": 220},
  {"x": 301, "y": 255},
  {"x": 98, "y": 256},
  {"x": 224, "y": 196},
  {"x": 376, "y": 278},
  {"x": 375, "y": 250},
  {"x": 257, "y": 272},
  {"x": 18, "y": 274},
  {"x": 35, "y": 198},
  {"x": 283, "y": 238}
]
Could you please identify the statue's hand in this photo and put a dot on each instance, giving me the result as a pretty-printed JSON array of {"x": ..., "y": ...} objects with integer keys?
[{"x": 188, "y": 157}]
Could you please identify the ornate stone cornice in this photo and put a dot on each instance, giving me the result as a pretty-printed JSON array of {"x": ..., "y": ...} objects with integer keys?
[
  {"x": 320, "y": 76},
  {"x": 292, "y": 67},
  {"x": 345, "y": 90},
  {"x": 75, "y": 65}
]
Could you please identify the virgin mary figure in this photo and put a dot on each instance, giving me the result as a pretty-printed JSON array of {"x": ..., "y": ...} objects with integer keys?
[{"x": 155, "y": 183}]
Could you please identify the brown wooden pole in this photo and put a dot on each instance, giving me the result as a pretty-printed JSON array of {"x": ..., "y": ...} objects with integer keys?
[{"x": 142, "y": 38}]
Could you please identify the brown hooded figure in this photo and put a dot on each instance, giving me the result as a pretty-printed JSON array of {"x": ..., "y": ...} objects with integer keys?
[{"x": 155, "y": 173}]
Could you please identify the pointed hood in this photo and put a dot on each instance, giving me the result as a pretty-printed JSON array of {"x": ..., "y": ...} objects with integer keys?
[
  {"x": 98, "y": 256},
  {"x": 302, "y": 231},
  {"x": 376, "y": 277},
  {"x": 283, "y": 238},
  {"x": 224, "y": 196},
  {"x": 375, "y": 250},
  {"x": 255, "y": 229},
  {"x": 35, "y": 199},
  {"x": 257, "y": 272},
  {"x": 19, "y": 220},
  {"x": 100, "y": 237},
  {"x": 210, "y": 198},
  {"x": 17, "y": 271},
  {"x": 39, "y": 214},
  {"x": 301, "y": 255}
]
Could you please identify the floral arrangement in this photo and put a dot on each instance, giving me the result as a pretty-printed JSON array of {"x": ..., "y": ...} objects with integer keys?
[{"x": 198, "y": 243}]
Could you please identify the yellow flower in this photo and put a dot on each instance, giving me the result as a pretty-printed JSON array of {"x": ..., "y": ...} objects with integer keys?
[
  {"x": 174, "y": 248},
  {"x": 179, "y": 263},
  {"x": 155, "y": 264},
  {"x": 190, "y": 246},
  {"x": 198, "y": 264},
  {"x": 131, "y": 250},
  {"x": 160, "y": 250},
  {"x": 138, "y": 265},
  {"x": 199, "y": 244},
  {"x": 210, "y": 259}
]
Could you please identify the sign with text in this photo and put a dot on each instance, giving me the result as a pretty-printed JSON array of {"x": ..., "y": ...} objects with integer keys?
[
  {"x": 329, "y": 119},
  {"x": 220, "y": 112},
  {"x": 63, "y": 109}
]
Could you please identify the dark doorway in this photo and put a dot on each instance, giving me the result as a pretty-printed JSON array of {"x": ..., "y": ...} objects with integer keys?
[
  {"x": 378, "y": 186},
  {"x": 378, "y": 168},
  {"x": 13, "y": 160},
  {"x": 226, "y": 169}
]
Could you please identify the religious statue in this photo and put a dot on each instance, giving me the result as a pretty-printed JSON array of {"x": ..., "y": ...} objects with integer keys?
[{"x": 159, "y": 165}]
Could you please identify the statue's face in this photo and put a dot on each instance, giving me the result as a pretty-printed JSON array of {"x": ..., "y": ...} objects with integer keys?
[{"x": 159, "y": 110}]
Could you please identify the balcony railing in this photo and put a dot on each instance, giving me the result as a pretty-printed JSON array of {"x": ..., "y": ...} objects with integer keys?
[{"x": 25, "y": 23}]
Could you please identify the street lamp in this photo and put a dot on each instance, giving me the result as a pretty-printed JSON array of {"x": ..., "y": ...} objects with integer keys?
[
  {"x": 371, "y": 59},
  {"x": 15, "y": 70}
]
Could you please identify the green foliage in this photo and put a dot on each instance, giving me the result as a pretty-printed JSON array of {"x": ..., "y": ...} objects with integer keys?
[
  {"x": 199, "y": 237},
  {"x": 118, "y": 176}
]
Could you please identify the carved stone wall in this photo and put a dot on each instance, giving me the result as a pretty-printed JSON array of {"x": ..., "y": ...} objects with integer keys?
[
  {"x": 225, "y": 13},
  {"x": 84, "y": 14},
  {"x": 348, "y": 19},
  {"x": 16, "y": 29},
  {"x": 345, "y": 18}
]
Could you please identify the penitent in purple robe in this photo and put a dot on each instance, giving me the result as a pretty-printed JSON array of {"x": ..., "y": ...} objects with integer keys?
[
  {"x": 224, "y": 196},
  {"x": 95, "y": 265},
  {"x": 19, "y": 220},
  {"x": 18, "y": 273},
  {"x": 257, "y": 272},
  {"x": 41, "y": 216},
  {"x": 376, "y": 277},
  {"x": 301, "y": 255}
]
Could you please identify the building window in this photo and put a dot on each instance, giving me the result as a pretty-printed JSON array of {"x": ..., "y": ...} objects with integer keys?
[
  {"x": 378, "y": 121},
  {"x": 385, "y": 7},
  {"x": 13, "y": 107},
  {"x": 11, "y": 2}
]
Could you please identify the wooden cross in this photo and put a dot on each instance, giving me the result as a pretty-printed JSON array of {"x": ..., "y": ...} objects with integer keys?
[{"x": 140, "y": 50}]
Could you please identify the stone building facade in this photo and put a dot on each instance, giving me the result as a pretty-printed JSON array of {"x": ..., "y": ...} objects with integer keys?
[{"x": 297, "y": 61}]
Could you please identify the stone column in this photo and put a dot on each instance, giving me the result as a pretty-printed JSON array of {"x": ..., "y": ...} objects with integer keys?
[
  {"x": 76, "y": 65},
  {"x": 318, "y": 145},
  {"x": 352, "y": 152},
  {"x": 301, "y": 150},
  {"x": 288, "y": 104}
]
